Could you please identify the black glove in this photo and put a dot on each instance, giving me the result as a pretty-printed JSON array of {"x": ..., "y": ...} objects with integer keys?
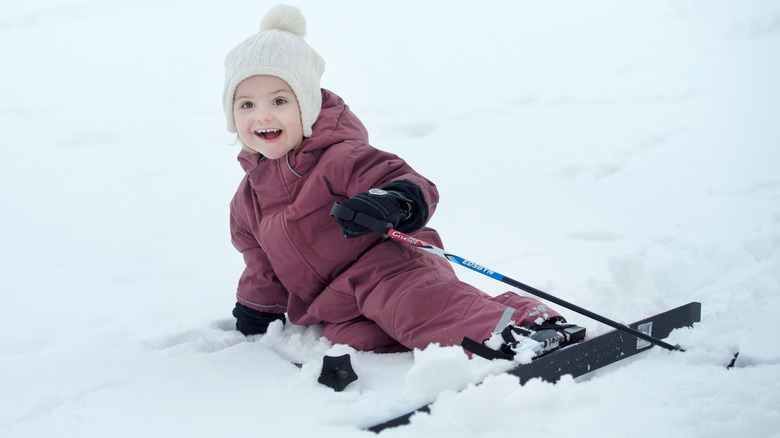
[
  {"x": 253, "y": 322},
  {"x": 400, "y": 204}
]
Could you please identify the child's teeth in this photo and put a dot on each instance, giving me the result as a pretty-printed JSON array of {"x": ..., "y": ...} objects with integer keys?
[{"x": 274, "y": 133}]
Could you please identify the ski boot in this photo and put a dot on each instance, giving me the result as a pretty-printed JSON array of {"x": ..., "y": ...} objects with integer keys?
[
  {"x": 539, "y": 340},
  {"x": 526, "y": 341}
]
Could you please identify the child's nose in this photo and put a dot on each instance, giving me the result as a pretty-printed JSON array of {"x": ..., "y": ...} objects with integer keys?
[{"x": 264, "y": 116}]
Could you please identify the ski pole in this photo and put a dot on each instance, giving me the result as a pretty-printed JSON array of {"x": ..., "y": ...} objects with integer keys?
[
  {"x": 385, "y": 229},
  {"x": 397, "y": 235}
]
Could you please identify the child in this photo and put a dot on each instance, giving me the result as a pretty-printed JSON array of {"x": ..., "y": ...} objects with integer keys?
[{"x": 303, "y": 151}]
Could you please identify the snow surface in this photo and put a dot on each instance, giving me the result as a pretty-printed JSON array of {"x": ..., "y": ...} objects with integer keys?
[{"x": 620, "y": 154}]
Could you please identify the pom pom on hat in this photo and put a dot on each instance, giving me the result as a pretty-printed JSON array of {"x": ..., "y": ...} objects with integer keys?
[
  {"x": 278, "y": 50},
  {"x": 286, "y": 18}
]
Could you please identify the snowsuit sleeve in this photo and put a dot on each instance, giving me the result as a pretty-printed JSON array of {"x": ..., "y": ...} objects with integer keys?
[
  {"x": 258, "y": 287},
  {"x": 373, "y": 168}
]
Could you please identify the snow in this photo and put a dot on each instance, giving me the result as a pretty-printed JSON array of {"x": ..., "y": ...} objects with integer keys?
[{"x": 619, "y": 154}]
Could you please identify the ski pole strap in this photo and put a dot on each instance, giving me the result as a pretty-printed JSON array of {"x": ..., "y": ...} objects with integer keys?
[{"x": 364, "y": 220}]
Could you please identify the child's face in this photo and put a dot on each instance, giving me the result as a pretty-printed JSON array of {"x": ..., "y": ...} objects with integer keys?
[{"x": 268, "y": 118}]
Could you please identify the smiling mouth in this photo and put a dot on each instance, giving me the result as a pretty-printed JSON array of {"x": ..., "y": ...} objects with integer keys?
[{"x": 268, "y": 134}]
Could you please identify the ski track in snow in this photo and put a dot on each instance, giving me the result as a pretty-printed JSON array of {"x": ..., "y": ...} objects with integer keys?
[{"x": 620, "y": 155}]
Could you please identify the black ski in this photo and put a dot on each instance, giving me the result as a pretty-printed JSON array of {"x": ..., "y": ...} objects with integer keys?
[{"x": 591, "y": 354}]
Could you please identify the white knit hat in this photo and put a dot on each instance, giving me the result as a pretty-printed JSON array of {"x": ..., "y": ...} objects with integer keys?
[{"x": 278, "y": 50}]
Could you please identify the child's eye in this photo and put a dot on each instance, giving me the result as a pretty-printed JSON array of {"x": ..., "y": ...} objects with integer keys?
[
  {"x": 247, "y": 105},
  {"x": 279, "y": 101}
]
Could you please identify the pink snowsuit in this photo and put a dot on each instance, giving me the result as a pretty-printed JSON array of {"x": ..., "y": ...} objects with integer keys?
[{"x": 367, "y": 292}]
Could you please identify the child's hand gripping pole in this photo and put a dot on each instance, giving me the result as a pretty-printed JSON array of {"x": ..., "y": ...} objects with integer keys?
[
  {"x": 386, "y": 230},
  {"x": 364, "y": 220}
]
